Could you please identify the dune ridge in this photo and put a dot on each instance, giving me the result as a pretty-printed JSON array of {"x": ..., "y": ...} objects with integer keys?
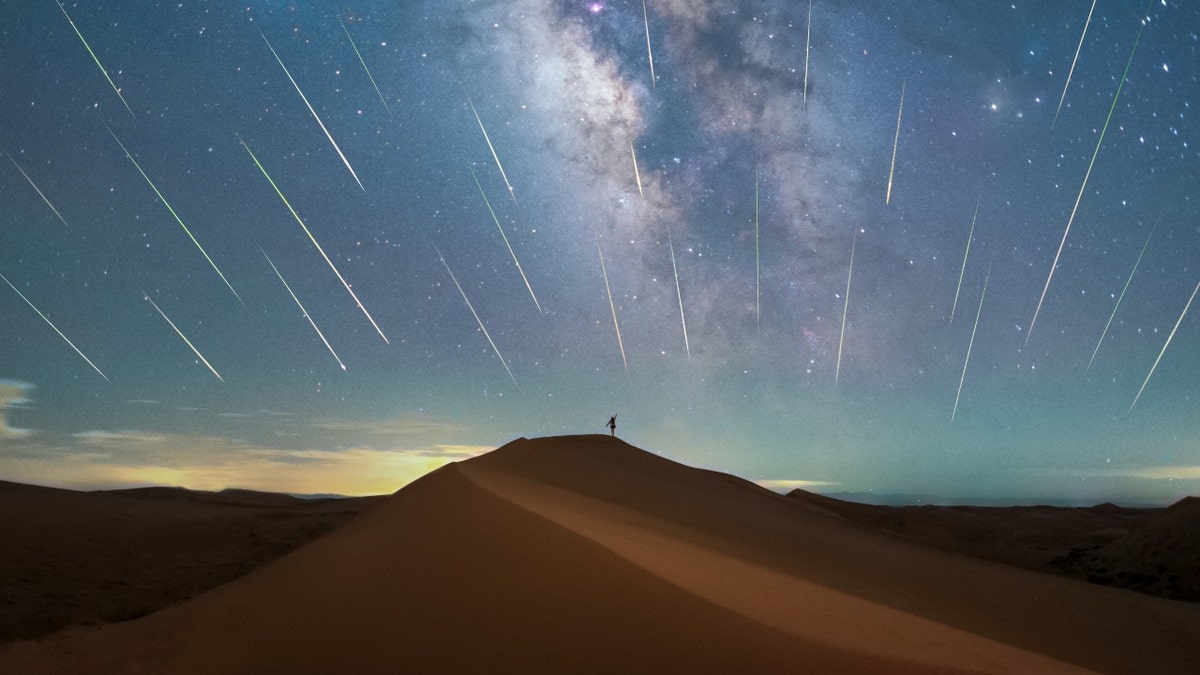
[{"x": 585, "y": 554}]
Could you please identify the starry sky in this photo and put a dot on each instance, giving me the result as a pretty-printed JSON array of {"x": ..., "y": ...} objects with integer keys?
[{"x": 803, "y": 245}]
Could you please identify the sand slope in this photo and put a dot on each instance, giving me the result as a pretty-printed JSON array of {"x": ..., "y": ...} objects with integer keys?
[
  {"x": 1150, "y": 550},
  {"x": 584, "y": 554},
  {"x": 70, "y": 557}
]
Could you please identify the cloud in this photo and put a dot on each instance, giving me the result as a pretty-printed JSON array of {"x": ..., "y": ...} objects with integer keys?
[{"x": 13, "y": 393}]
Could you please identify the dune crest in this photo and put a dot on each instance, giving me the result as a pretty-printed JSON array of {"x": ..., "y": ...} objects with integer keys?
[{"x": 586, "y": 554}]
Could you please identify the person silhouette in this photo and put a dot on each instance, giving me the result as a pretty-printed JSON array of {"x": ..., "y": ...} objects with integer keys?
[{"x": 612, "y": 426}]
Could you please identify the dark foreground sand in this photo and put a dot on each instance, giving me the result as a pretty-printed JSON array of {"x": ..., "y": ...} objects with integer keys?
[
  {"x": 69, "y": 557},
  {"x": 585, "y": 554}
]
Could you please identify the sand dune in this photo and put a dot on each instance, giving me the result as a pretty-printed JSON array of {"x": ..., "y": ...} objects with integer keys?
[
  {"x": 585, "y": 554},
  {"x": 1149, "y": 550},
  {"x": 70, "y": 557}
]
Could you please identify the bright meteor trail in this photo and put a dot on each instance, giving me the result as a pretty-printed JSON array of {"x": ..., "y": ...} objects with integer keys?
[
  {"x": 757, "y": 257},
  {"x": 493, "y": 149},
  {"x": 678, "y": 293},
  {"x": 971, "y": 344},
  {"x": 649, "y": 53},
  {"x": 896, "y": 143},
  {"x": 39, "y": 190},
  {"x": 51, "y": 323},
  {"x": 365, "y": 69},
  {"x": 837, "y": 373},
  {"x": 505, "y": 237},
  {"x": 613, "y": 307},
  {"x": 302, "y": 310},
  {"x": 637, "y": 174},
  {"x": 476, "y": 315},
  {"x": 180, "y": 333},
  {"x": 1120, "y": 297},
  {"x": 96, "y": 59},
  {"x": 313, "y": 240},
  {"x": 1083, "y": 187},
  {"x": 1073, "y": 61},
  {"x": 1164, "y": 347},
  {"x": 314, "y": 112},
  {"x": 966, "y": 253},
  {"x": 175, "y": 215}
]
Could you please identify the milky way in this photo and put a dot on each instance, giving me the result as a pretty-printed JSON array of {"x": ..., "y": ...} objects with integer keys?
[{"x": 725, "y": 185}]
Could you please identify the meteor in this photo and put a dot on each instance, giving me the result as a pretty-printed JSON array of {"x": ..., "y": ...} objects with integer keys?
[
  {"x": 39, "y": 190},
  {"x": 493, "y": 149},
  {"x": 966, "y": 253},
  {"x": 365, "y": 69},
  {"x": 649, "y": 53},
  {"x": 678, "y": 293},
  {"x": 613, "y": 307},
  {"x": 845, "y": 310},
  {"x": 757, "y": 258},
  {"x": 302, "y": 310},
  {"x": 476, "y": 315},
  {"x": 96, "y": 59},
  {"x": 1164, "y": 347},
  {"x": 180, "y": 333},
  {"x": 314, "y": 112},
  {"x": 1072, "y": 71},
  {"x": 175, "y": 215},
  {"x": 971, "y": 344},
  {"x": 1083, "y": 187},
  {"x": 313, "y": 240},
  {"x": 505, "y": 237},
  {"x": 895, "y": 143},
  {"x": 56, "y": 330},
  {"x": 1119, "y": 298},
  {"x": 807, "y": 43},
  {"x": 637, "y": 175}
]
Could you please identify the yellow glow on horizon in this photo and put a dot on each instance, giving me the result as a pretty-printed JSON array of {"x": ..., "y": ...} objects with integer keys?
[{"x": 357, "y": 472}]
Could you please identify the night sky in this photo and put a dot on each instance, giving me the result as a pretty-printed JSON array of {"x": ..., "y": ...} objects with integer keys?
[{"x": 769, "y": 146}]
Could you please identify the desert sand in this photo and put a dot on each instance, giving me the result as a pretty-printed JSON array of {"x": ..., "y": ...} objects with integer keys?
[
  {"x": 69, "y": 557},
  {"x": 586, "y": 554}
]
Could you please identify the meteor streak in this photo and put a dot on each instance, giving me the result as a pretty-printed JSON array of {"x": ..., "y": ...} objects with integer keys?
[
  {"x": 1083, "y": 187},
  {"x": 678, "y": 293},
  {"x": 180, "y": 333},
  {"x": 39, "y": 190},
  {"x": 1119, "y": 298},
  {"x": 365, "y": 69},
  {"x": 1164, "y": 347},
  {"x": 314, "y": 112},
  {"x": 175, "y": 215},
  {"x": 313, "y": 240},
  {"x": 649, "y": 53},
  {"x": 895, "y": 143},
  {"x": 493, "y": 149},
  {"x": 757, "y": 258},
  {"x": 304, "y": 311},
  {"x": 1072, "y": 71},
  {"x": 845, "y": 310},
  {"x": 971, "y": 344},
  {"x": 476, "y": 315},
  {"x": 56, "y": 330},
  {"x": 96, "y": 59},
  {"x": 505, "y": 237},
  {"x": 637, "y": 175},
  {"x": 613, "y": 307},
  {"x": 807, "y": 43},
  {"x": 966, "y": 253}
]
